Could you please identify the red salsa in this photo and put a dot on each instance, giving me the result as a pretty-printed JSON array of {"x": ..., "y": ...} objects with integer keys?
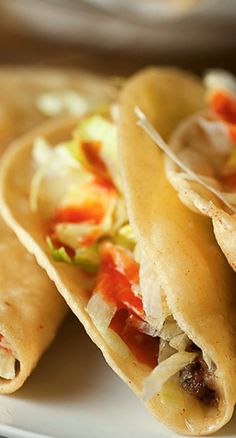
[
  {"x": 118, "y": 272},
  {"x": 145, "y": 348},
  {"x": 90, "y": 211},
  {"x": 224, "y": 106}
]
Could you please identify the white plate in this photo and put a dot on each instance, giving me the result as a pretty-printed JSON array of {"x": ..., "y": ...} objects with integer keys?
[{"x": 73, "y": 393}]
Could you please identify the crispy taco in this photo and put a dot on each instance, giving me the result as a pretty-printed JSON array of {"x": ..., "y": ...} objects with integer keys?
[
  {"x": 160, "y": 296},
  {"x": 31, "y": 309},
  {"x": 201, "y": 161}
]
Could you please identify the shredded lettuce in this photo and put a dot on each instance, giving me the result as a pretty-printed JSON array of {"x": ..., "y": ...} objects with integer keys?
[
  {"x": 72, "y": 234},
  {"x": 180, "y": 342},
  {"x": 171, "y": 394},
  {"x": 57, "y": 158},
  {"x": 164, "y": 371},
  {"x": 100, "y": 311},
  {"x": 58, "y": 254},
  {"x": 144, "y": 123},
  {"x": 165, "y": 350},
  {"x": 120, "y": 213},
  {"x": 125, "y": 237},
  {"x": 154, "y": 300},
  {"x": 116, "y": 343},
  {"x": 98, "y": 129},
  {"x": 42, "y": 151},
  {"x": 170, "y": 329},
  {"x": 86, "y": 258},
  {"x": 52, "y": 163}
]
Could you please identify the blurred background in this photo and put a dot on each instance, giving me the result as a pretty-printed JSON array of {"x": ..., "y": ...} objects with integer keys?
[{"x": 118, "y": 36}]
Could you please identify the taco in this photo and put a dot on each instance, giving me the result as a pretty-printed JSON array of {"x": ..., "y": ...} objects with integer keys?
[
  {"x": 31, "y": 309},
  {"x": 160, "y": 296},
  {"x": 203, "y": 166}
]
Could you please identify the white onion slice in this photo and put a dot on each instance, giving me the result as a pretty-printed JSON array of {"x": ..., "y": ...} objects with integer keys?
[
  {"x": 180, "y": 342},
  {"x": 101, "y": 312},
  {"x": 116, "y": 343},
  {"x": 164, "y": 371},
  {"x": 170, "y": 329},
  {"x": 154, "y": 302}
]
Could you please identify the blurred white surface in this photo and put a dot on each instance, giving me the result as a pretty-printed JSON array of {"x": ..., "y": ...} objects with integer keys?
[{"x": 137, "y": 25}]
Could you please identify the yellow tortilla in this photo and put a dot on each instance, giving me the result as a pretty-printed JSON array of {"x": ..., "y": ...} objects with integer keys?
[
  {"x": 199, "y": 285},
  {"x": 31, "y": 309},
  {"x": 197, "y": 281}
]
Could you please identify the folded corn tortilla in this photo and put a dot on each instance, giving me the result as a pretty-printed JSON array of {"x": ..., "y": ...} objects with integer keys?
[
  {"x": 203, "y": 143},
  {"x": 201, "y": 296},
  {"x": 31, "y": 312},
  {"x": 177, "y": 247},
  {"x": 31, "y": 309}
]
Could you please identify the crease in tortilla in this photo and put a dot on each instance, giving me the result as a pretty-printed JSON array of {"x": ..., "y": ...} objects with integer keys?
[
  {"x": 31, "y": 309},
  {"x": 193, "y": 273}
]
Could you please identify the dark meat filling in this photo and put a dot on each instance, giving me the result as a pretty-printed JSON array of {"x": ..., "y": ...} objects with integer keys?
[{"x": 198, "y": 380}]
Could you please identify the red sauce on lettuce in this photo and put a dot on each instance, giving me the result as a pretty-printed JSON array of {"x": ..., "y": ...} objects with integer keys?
[
  {"x": 89, "y": 211},
  {"x": 118, "y": 271}
]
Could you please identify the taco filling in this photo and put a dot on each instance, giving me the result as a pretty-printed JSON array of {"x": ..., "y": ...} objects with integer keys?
[
  {"x": 206, "y": 144},
  {"x": 9, "y": 365},
  {"x": 76, "y": 187}
]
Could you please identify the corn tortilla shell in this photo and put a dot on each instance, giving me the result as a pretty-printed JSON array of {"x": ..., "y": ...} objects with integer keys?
[{"x": 31, "y": 309}]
